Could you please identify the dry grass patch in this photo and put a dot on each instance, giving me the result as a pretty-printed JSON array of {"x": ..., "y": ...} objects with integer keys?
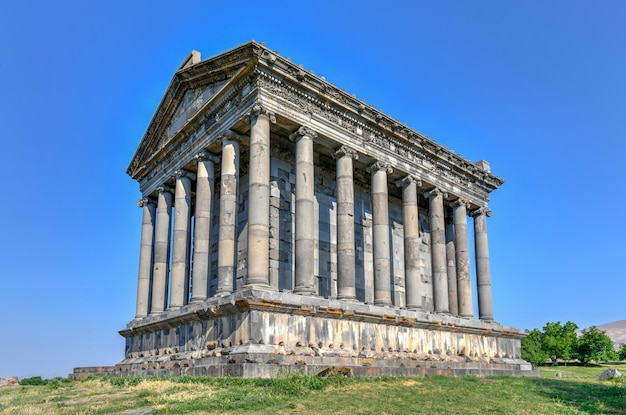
[{"x": 295, "y": 394}]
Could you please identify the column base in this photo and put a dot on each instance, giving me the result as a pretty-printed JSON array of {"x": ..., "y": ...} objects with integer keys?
[
  {"x": 223, "y": 293},
  {"x": 304, "y": 291},
  {"x": 256, "y": 285},
  {"x": 383, "y": 303}
]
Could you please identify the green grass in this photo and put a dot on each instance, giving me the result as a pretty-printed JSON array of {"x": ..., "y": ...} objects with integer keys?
[{"x": 576, "y": 392}]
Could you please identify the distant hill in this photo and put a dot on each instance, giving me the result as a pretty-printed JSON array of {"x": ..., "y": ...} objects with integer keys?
[{"x": 616, "y": 331}]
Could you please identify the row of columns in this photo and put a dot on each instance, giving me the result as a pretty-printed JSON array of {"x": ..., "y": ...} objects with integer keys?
[{"x": 450, "y": 261}]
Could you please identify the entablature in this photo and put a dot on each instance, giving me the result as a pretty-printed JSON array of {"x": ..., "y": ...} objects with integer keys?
[
  {"x": 309, "y": 87},
  {"x": 252, "y": 72}
]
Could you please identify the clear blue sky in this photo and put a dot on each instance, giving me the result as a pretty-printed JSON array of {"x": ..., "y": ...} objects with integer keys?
[{"x": 537, "y": 88}]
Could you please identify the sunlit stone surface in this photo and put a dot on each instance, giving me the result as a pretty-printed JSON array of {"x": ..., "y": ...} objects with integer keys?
[{"x": 288, "y": 224}]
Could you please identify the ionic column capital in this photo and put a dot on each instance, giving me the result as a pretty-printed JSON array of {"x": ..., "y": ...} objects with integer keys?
[
  {"x": 205, "y": 155},
  {"x": 302, "y": 132},
  {"x": 257, "y": 110},
  {"x": 164, "y": 189},
  {"x": 480, "y": 211},
  {"x": 380, "y": 165},
  {"x": 460, "y": 202},
  {"x": 408, "y": 180},
  {"x": 145, "y": 201},
  {"x": 346, "y": 151},
  {"x": 230, "y": 136},
  {"x": 180, "y": 174},
  {"x": 434, "y": 192}
]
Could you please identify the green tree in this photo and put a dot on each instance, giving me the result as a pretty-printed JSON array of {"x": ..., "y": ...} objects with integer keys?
[
  {"x": 621, "y": 353},
  {"x": 532, "y": 347},
  {"x": 559, "y": 341},
  {"x": 595, "y": 345}
]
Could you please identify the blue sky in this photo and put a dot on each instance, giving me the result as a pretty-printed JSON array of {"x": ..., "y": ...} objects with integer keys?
[{"x": 537, "y": 88}]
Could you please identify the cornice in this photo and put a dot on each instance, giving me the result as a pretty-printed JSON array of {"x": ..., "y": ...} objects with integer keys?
[
  {"x": 353, "y": 110},
  {"x": 422, "y": 156}
]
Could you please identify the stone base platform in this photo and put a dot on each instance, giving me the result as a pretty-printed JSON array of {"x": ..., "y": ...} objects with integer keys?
[{"x": 261, "y": 333}]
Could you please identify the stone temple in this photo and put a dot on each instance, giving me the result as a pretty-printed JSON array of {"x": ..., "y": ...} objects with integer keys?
[{"x": 289, "y": 225}]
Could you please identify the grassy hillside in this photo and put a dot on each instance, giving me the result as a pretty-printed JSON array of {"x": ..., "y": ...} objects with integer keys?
[{"x": 576, "y": 392}]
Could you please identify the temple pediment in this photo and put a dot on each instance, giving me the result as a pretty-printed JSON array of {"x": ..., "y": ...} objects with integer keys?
[{"x": 192, "y": 87}]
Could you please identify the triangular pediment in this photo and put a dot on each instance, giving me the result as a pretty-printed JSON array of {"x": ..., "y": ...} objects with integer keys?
[
  {"x": 192, "y": 101},
  {"x": 192, "y": 88}
]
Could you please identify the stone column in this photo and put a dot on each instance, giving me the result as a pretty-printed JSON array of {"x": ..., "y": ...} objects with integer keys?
[
  {"x": 464, "y": 285},
  {"x": 161, "y": 250},
  {"x": 438, "y": 250},
  {"x": 259, "y": 198},
  {"x": 227, "y": 245},
  {"x": 483, "y": 272},
  {"x": 305, "y": 204},
  {"x": 145, "y": 256},
  {"x": 410, "y": 219},
  {"x": 205, "y": 182},
  {"x": 380, "y": 231},
  {"x": 346, "y": 267},
  {"x": 453, "y": 301},
  {"x": 180, "y": 252}
]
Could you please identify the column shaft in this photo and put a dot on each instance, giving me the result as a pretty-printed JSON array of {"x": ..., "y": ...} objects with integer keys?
[
  {"x": 145, "y": 257},
  {"x": 180, "y": 252},
  {"x": 227, "y": 245},
  {"x": 464, "y": 285},
  {"x": 483, "y": 271},
  {"x": 259, "y": 199},
  {"x": 410, "y": 219},
  {"x": 438, "y": 251},
  {"x": 380, "y": 224},
  {"x": 305, "y": 204},
  {"x": 346, "y": 269},
  {"x": 453, "y": 301},
  {"x": 205, "y": 181},
  {"x": 161, "y": 251}
]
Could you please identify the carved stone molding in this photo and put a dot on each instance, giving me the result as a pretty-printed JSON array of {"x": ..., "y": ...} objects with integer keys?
[
  {"x": 230, "y": 136},
  {"x": 346, "y": 151},
  {"x": 380, "y": 130},
  {"x": 460, "y": 202},
  {"x": 480, "y": 211},
  {"x": 156, "y": 138},
  {"x": 434, "y": 192},
  {"x": 179, "y": 174},
  {"x": 257, "y": 110},
  {"x": 144, "y": 201},
  {"x": 407, "y": 180},
  {"x": 164, "y": 189},
  {"x": 302, "y": 132},
  {"x": 380, "y": 165},
  {"x": 205, "y": 155}
]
